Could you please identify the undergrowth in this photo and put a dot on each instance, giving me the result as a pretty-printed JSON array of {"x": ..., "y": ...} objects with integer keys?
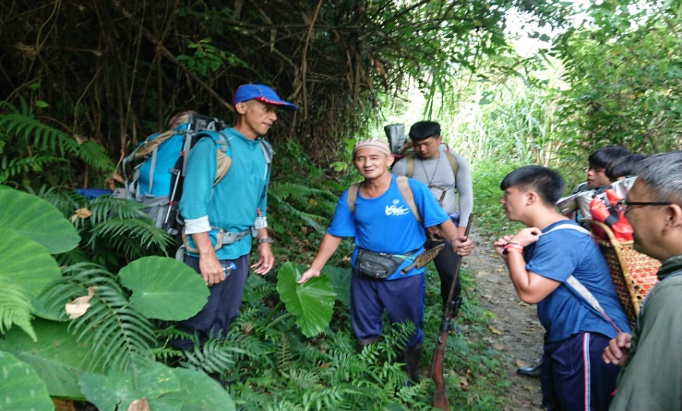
[{"x": 277, "y": 368}]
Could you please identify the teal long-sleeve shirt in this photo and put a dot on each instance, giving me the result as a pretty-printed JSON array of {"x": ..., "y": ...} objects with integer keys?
[{"x": 231, "y": 204}]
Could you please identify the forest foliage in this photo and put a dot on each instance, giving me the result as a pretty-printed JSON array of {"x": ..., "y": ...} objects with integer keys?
[{"x": 82, "y": 82}]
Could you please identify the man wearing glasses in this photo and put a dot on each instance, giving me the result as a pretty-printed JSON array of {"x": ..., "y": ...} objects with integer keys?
[{"x": 654, "y": 208}]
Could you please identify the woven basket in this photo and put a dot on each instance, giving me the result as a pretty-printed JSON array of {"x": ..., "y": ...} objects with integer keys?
[{"x": 632, "y": 273}]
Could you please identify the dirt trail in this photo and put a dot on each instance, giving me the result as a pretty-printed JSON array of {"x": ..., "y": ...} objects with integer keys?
[{"x": 519, "y": 333}]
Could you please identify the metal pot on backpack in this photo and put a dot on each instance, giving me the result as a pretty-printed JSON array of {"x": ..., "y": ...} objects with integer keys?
[{"x": 396, "y": 137}]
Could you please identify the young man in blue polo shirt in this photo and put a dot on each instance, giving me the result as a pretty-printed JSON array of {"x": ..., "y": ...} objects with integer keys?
[
  {"x": 229, "y": 210},
  {"x": 543, "y": 260},
  {"x": 382, "y": 222}
]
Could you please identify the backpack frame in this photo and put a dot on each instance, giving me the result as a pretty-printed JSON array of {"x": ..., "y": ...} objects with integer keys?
[{"x": 160, "y": 190}]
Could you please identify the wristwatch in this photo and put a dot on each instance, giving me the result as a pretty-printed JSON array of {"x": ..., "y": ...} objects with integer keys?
[{"x": 267, "y": 240}]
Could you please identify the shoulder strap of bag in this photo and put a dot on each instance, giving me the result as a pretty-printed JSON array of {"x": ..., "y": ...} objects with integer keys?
[
  {"x": 408, "y": 196},
  {"x": 223, "y": 161},
  {"x": 409, "y": 165},
  {"x": 403, "y": 187},
  {"x": 577, "y": 287},
  {"x": 453, "y": 163},
  {"x": 352, "y": 196},
  {"x": 588, "y": 299},
  {"x": 569, "y": 227}
]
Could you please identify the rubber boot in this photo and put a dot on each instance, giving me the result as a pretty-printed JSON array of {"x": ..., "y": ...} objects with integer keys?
[
  {"x": 364, "y": 343},
  {"x": 532, "y": 371},
  {"x": 410, "y": 357}
]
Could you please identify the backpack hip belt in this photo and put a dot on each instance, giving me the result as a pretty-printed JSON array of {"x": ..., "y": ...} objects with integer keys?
[{"x": 222, "y": 238}]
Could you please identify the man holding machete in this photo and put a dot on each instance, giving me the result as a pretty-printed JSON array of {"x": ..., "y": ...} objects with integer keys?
[{"x": 387, "y": 217}]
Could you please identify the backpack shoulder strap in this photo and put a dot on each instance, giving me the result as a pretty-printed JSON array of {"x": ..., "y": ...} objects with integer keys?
[
  {"x": 409, "y": 165},
  {"x": 569, "y": 227},
  {"x": 453, "y": 163},
  {"x": 408, "y": 196},
  {"x": 223, "y": 161},
  {"x": 267, "y": 151},
  {"x": 403, "y": 187},
  {"x": 351, "y": 196},
  {"x": 267, "y": 154}
]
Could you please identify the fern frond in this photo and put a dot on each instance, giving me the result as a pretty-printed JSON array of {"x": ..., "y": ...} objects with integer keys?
[
  {"x": 10, "y": 167},
  {"x": 299, "y": 192},
  {"x": 313, "y": 220},
  {"x": 52, "y": 140},
  {"x": 106, "y": 207},
  {"x": 214, "y": 357},
  {"x": 64, "y": 201},
  {"x": 119, "y": 335},
  {"x": 328, "y": 398},
  {"x": 120, "y": 232},
  {"x": 95, "y": 155},
  {"x": 284, "y": 356},
  {"x": 281, "y": 195},
  {"x": 15, "y": 308}
]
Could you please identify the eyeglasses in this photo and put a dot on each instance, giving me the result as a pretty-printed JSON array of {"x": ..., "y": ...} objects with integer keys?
[{"x": 622, "y": 205}]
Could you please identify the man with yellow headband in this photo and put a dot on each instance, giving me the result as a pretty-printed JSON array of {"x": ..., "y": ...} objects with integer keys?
[{"x": 387, "y": 234}]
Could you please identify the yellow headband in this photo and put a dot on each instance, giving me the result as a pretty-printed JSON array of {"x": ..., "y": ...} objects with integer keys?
[{"x": 376, "y": 144}]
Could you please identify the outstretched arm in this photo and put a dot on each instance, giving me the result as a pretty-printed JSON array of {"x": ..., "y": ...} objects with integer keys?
[{"x": 327, "y": 248}]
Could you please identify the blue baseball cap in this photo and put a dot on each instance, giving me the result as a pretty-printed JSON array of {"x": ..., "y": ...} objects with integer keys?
[{"x": 260, "y": 92}]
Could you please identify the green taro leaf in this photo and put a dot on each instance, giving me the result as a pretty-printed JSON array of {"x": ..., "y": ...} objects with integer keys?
[
  {"x": 199, "y": 392},
  {"x": 118, "y": 390},
  {"x": 20, "y": 387},
  {"x": 340, "y": 279},
  {"x": 25, "y": 262},
  {"x": 311, "y": 303},
  {"x": 56, "y": 357},
  {"x": 160, "y": 283},
  {"x": 38, "y": 220}
]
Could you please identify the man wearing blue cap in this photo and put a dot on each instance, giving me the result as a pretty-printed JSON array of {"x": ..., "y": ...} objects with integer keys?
[{"x": 222, "y": 219}]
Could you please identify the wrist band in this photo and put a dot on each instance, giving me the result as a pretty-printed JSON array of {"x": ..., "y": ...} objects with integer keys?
[{"x": 511, "y": 247}]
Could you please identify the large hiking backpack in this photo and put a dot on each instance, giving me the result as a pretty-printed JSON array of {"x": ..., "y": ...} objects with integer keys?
[{"x": 161, "y": 163}]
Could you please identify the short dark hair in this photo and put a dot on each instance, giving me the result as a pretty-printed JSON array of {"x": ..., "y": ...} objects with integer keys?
[
  {"x": 622, "y": 166},
  {"x": 603, "y": 156},
  {"x": 546, "y": 182},
  {"x": 421, "y": 130}
]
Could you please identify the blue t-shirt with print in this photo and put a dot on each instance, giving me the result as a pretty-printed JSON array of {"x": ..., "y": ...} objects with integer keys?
[
  {"x": 386, "y": 224},
  {"x": 559, "y": 254}
]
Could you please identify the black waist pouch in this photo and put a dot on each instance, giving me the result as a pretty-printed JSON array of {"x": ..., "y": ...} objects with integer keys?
[{"x": 378, "y": 265}]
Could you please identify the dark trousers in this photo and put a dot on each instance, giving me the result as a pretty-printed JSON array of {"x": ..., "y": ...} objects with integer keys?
[
  {"x": 402, "y": 299},
  {"x": 224, "y": 300},
  {"x": 574, "y": 377},
  {"x": 446, "y": 264}
]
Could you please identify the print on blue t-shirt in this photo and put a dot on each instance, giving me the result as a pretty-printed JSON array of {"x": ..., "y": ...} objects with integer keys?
[{"x": 386, "y": 224}]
